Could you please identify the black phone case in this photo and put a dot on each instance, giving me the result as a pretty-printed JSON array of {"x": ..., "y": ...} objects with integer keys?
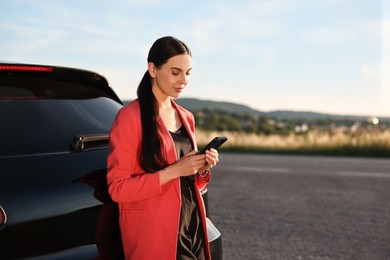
[{"x": 215, "y": 143}]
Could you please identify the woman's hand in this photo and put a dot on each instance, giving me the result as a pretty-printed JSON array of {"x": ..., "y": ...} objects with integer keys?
[
  {"x": 187, "y": 165},
  {"x": 211, "y": 159}
]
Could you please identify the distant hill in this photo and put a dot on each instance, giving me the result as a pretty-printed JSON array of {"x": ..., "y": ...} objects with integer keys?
[
  {"x": 194, "y": 105},
  {"x": 286, "y": 114}
]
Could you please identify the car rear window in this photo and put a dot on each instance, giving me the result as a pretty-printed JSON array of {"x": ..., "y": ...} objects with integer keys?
[
  {"x": 42, "y": 115},
  {"x": 45, "y": 88}
]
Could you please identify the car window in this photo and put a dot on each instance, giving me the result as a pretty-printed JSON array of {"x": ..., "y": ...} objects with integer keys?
[
  {"x": 40, "y": 115},
  {"x": 46, "y": 88}
]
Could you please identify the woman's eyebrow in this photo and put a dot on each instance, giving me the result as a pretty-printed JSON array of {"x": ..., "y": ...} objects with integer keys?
[{"x": 176, "y": 68}]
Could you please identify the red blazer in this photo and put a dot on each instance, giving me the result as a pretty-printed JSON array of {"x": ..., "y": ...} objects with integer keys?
[{"x": 149, "y": 213}]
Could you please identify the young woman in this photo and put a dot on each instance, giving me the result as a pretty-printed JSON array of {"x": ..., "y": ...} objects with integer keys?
[{"x": 154, "y": 171}]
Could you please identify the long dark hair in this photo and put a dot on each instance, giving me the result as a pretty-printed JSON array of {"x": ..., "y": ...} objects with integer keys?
[{"x": 162, "y": 49}]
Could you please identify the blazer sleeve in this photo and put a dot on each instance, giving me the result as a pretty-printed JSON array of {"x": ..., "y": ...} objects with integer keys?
[
  {"x": 127, "y": 182},
  {"x": 202, "y": 182}
]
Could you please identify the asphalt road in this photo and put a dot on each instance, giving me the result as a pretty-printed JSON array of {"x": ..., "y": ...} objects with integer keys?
[{"x": 301, "y": 207}]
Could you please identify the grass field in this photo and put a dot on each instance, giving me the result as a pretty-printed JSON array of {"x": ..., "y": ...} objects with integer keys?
[{"x": 374, "y": 143}]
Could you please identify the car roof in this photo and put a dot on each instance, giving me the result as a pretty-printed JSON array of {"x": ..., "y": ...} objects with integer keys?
[{"x": 62, "y": 73}]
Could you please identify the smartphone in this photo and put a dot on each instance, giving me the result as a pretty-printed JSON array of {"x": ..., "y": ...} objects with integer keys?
[{"x": 215, "y": 143}]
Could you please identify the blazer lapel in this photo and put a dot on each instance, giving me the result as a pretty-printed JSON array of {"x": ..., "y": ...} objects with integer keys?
[
  {"x": 186, "y": 124},
  {"x": 169, "y": 149},
  {"x": 168, "y": 143}
]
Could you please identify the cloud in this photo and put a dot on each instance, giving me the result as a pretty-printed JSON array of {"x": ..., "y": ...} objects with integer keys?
[
  {"x": 264, "y": 8},
  {"x": 146, "y": 3},
  {"x": 233, "y": 34},
  {"x": 343, "y": 33},
  {"x": 371, "y": 73}
]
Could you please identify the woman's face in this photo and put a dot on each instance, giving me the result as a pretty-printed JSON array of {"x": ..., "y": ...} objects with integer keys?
[{"x": 172, "y": 77}]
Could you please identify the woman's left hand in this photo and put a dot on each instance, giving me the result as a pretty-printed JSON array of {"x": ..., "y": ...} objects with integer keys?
[{"x": 211, "y": 159}]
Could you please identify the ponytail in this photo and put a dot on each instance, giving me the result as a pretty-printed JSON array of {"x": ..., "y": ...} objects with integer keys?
[{"x": 151, "y": 156}]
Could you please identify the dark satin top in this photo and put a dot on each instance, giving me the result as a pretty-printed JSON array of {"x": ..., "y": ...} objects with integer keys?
[{"x": 191, "y": 236}]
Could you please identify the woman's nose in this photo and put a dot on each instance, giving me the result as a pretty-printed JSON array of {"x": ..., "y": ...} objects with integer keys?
[{"x": 184, "y": 79}]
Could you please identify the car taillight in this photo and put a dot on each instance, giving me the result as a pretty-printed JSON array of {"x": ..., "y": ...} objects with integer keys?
[
  {"x": 26, "y": 68},
  {"x": 3, "y": 217}
]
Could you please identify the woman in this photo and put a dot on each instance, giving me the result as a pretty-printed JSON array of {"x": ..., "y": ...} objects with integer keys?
[{"x": 154, "y": 171}]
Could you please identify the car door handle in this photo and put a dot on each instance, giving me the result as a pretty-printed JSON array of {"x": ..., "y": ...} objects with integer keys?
[{"x": 89, "y": 142}]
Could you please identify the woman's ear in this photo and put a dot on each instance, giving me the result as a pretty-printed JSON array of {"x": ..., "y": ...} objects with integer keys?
[{"x": 152, "y": 69}]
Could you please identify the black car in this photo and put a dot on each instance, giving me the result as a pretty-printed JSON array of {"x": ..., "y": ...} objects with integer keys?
[{"x": 54, "y": 125}]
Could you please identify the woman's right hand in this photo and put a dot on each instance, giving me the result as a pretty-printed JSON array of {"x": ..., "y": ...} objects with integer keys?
[{"x": 187, "y": 165}]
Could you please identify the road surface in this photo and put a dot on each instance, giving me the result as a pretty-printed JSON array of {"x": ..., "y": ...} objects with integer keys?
[{"x": 301, "y": 207}]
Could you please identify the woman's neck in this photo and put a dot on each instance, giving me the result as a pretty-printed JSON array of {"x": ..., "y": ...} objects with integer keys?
[
  {"x": 169, "y": 116},
  {"x": 163, "y": 100}
]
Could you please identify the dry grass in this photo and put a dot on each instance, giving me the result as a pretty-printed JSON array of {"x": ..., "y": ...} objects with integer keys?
[{"x": 364, "y": 142}]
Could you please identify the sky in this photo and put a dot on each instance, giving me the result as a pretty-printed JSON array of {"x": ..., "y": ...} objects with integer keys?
[{"x": 327, "y": 56}]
